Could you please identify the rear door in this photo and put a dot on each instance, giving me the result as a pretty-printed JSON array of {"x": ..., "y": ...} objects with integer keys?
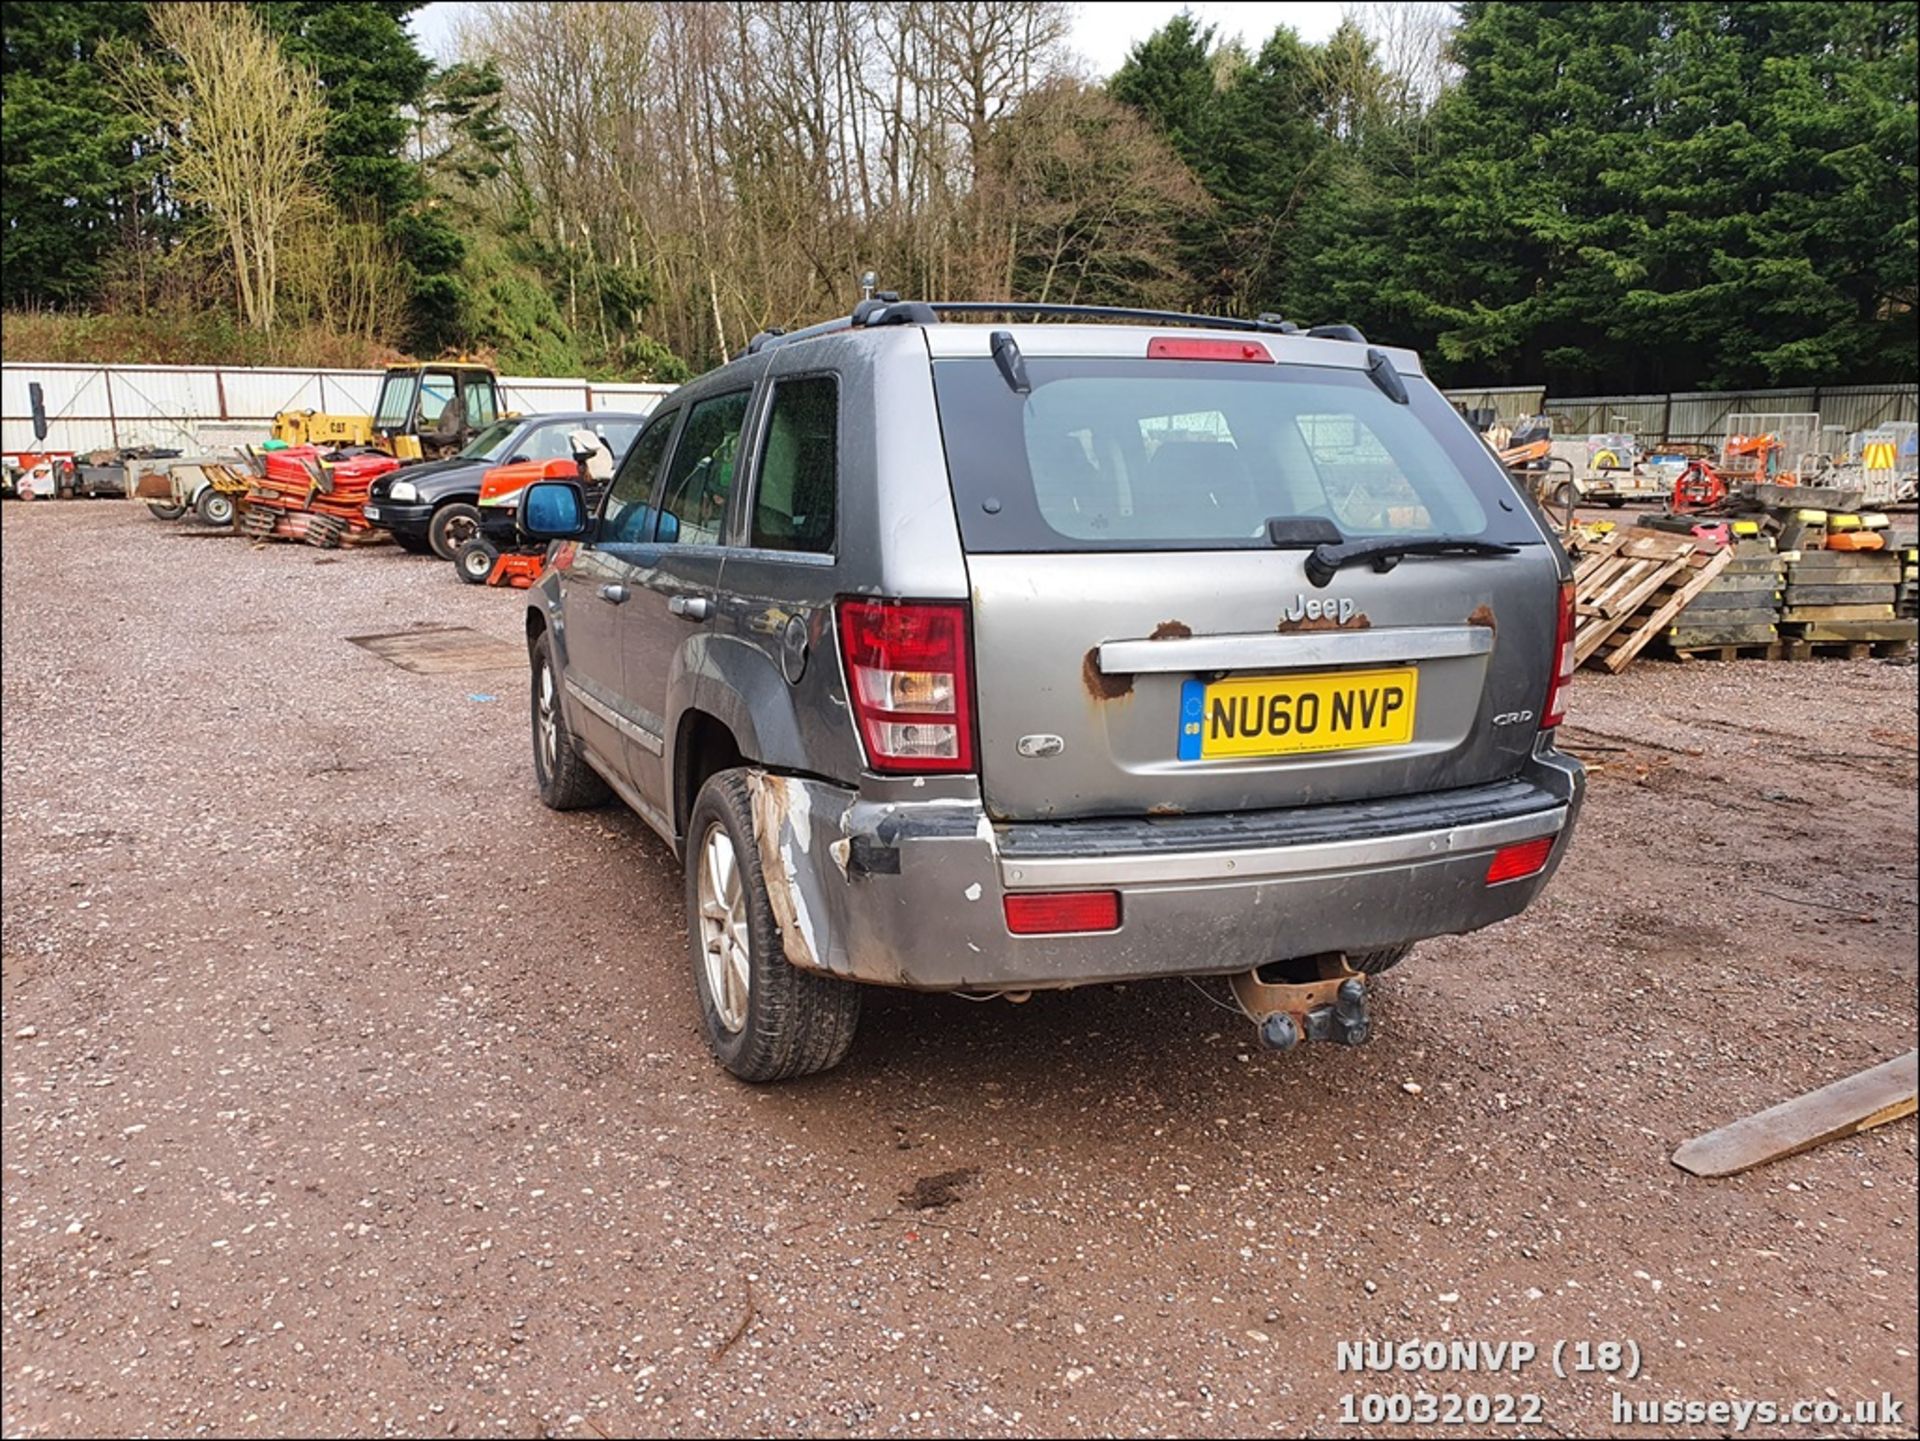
[
  {"x": 1143, "y": 647},
  {"x": 601, "y": 583},
  {"x": 676, "y": 580}
]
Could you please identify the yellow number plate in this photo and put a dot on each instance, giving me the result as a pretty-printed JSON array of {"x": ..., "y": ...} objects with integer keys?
[{"x": 1289, "y": 715}]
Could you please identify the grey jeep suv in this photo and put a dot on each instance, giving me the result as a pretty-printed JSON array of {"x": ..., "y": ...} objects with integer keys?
[{"x": 994, "y": 648}]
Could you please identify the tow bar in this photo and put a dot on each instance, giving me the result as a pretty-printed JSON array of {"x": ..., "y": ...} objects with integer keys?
[{"x": 1331, "y": 1007}]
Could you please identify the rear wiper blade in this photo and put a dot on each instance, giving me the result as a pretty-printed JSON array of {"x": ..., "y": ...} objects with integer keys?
[{"x": 1385, "y": 552}]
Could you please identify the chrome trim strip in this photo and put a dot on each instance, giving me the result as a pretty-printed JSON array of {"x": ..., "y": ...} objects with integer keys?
[
  {"x": 1258, "y": 863},
  {"x": 1298, "y": 650},
  {"x": 632, "y": 729}
]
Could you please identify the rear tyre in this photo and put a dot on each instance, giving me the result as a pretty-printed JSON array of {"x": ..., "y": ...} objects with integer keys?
[
  {"x": 213, "y": 507},
  {"x": 764, "y": 1018},
  {"x": 452, "y": 526},
  {"x": 475, "y": 561},
  {"x": 163, "y": 511},
  {"x": 1615, "y": 502},
  {"x": 1373, "y": 963},
  {"x": 412, "y": 544},
  {"x": 1564, "y": 495},
  {"x": 565, "y": 781}
]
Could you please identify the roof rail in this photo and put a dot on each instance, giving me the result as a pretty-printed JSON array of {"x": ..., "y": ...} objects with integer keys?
[
  {"x": 888, "y": 309},
  {"x": 1267, "y": 322}
]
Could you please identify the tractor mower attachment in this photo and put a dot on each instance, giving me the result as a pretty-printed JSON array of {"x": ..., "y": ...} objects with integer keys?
[{"x": 499, "y": 555}]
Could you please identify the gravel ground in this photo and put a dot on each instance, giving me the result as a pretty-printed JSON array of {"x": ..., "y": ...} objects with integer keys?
[{"x": 347, "y": 1090}]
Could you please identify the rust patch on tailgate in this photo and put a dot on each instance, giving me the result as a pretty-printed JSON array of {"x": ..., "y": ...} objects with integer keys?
[
  {"x": 1483, "y": 615},
  {"x": 1171, "y": 630},
  {"x": 1101, "y": 686},
  {"x": 1357, "y": 621}
]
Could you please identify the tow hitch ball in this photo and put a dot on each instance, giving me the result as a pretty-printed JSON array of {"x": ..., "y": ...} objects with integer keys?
[{"x": 1287, "y": 1011}]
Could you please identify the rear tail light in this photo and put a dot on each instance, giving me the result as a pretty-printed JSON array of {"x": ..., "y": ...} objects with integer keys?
[
  {"x": 1555, "y": 710},
  {"x": 1173, "y": 347},
  {"x": 1062, "y": 912},
  {"x": 910, "y": 682},
  {"x": 1517, "y": 862}
]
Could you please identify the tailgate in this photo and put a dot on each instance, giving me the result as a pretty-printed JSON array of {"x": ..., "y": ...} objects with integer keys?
[
  {"x": 1095, "y": 670},
  {"x": 1146, "y": 636}
]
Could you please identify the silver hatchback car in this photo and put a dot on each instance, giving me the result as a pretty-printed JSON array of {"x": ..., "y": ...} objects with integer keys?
[{"x": 992, "y": 648}]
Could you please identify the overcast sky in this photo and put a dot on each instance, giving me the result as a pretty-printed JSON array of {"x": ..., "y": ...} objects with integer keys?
[{"x": 1103, "y": 31}]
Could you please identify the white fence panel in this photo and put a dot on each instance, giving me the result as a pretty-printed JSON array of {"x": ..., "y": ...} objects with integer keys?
[
  {"x": 96, "y": 407},
  {"x": 531, "y": 395},
  {"x": 636, "y": 399}
]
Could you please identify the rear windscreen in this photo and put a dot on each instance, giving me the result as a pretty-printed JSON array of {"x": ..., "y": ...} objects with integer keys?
[{"x": 1170, "y": 455}]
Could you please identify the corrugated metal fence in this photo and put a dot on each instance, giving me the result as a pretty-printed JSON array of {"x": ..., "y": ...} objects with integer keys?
[
  {"x": 1700, "y": 414},
  {"x": 111, "y": 407}
]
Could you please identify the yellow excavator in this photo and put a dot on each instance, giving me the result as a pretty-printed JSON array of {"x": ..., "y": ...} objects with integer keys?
[{"x": 424, "y": 412}]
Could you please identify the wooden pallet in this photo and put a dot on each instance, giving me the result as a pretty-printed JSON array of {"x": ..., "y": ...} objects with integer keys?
[
  {"x": 1613, "y": 583},
  {"x": 1748, "y": 650}
]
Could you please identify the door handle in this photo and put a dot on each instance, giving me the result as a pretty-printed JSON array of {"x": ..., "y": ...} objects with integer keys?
[
  {"x": 690, "y": 607},
  {"x": 614, "y": 594}
]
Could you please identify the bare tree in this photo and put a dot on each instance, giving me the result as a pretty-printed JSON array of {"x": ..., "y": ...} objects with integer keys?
[{"x": 242, "y": 126}]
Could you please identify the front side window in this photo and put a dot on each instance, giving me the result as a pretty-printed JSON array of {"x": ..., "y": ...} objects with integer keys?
[
  {"x": 478, "y": 390},
  {"x": 701, "y": 476},
  {"x": 549, "y": 442},
  {"x": 436, "y": 394},
  {"x": 628, "y": 516},
  {"x": 798, "y": 496}
]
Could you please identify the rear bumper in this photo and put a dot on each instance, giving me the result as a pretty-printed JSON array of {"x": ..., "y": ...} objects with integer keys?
[{"x": 911, "y": 894}]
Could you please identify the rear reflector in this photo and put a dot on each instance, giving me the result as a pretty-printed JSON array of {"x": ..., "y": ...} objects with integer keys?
[
  {"x": 1517, "y": 862},
  {"x": 1063, "y": 911},
  {"x": 1170, "y": 347}
]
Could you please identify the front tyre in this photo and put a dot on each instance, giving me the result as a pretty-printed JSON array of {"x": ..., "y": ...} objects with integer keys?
[
  {"x": 452, "y": 526},
  {"x": 564, "y": 779},
  {"x": 764, "y": 1018},
  {"x": 162, "y": 511}
]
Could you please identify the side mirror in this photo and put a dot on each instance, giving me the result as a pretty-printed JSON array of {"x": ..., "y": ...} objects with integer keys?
[
  {"x": 37, "y": 397},
  {"x": 667, "y": 532},
  {"x": 553, "y": 510},
  {"x": 517, "y": 459}
]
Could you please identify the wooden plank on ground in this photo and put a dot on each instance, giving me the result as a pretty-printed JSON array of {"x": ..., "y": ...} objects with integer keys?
[
  {"x": 1869, "y": 1098},
  {"x": 1797, "y": 594},
  {"x": 1618, "y": 659}
]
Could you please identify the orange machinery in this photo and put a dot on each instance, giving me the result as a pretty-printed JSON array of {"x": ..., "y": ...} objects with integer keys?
[{"x": 493, "y": 557}]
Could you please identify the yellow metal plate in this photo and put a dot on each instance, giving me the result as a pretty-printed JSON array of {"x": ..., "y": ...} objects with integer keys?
[{"x": 1249, "y": 717}]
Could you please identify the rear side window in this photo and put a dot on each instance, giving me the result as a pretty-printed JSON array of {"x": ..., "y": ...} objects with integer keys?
[
  {"x": 628, "y": 518},
  {"x": 701, "y": 476},
  {"x": 1155, "y": 455},
  {"x": 799, "y": 488}
]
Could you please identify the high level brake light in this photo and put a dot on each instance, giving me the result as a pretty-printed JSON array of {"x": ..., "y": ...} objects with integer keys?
[
  {"x": 910, "y": 682},
  {"x": 1180, "y": 347},
  {"x": 1555, "y": 710}
]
